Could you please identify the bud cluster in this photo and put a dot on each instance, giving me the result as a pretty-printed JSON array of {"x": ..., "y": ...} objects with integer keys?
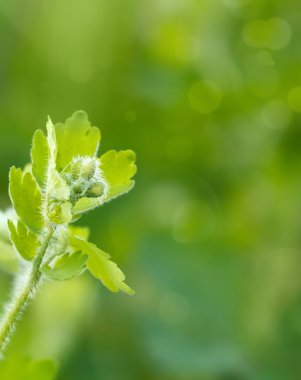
[{"x": 85, "y": 179}]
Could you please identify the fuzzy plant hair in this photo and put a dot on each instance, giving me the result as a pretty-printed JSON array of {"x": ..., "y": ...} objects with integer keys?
[{"x": 65, "y": 180}]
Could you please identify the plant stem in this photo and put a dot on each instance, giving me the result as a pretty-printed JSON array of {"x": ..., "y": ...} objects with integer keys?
[{"x": 19, "y": 302}]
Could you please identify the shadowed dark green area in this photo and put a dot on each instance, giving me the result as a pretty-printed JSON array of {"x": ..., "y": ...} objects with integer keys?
[{"x": 208, "y": 94}]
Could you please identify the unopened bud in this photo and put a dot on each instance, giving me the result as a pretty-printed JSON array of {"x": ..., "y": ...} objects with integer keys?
[
  {"x": 84, "y": 167},
  {"x": 79, "y": 186},
  {"x": 95, "y": 190}
]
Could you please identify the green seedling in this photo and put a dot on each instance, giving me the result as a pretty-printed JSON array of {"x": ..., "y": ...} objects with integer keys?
[{"x": 65, "y": 179}]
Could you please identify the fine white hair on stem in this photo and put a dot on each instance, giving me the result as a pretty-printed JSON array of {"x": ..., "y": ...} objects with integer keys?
[{"x": 20, "y": 282}]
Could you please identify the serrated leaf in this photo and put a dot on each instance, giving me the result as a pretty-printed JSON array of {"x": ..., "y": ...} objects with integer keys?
[
  {"x": 26, "y": 198},
  {"x": 65, "y": 266},
  {"x": 8, "y": 258},
  {"x": 118, "y": 168},
  {"x": 27, "y": 168},
  {"x": 79, "y": 244},
  {"x": 52, "y": 144},
  {"x": 24, "y": 241},
  {"x": 39, "y": 157},
  {"x": 108, "y": 272},
  {"x": 101, "y": 267},
  {"x": 76, "y": 138}
]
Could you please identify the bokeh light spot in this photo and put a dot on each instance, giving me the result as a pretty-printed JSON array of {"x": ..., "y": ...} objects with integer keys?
[
  {"x": 161, "y": 201},
  {"x": 294, "y": 99},
  {"x": 276, "y": 114},
  {"x": 264, "y": 58},
  {"x": 179, "y": 149},
  {"x": 262, "y": 81},
  {"x": 174, "y": 309},
  {"x": 274, "y": 33},
  {"x": 236, "y": 3},
  {"x": 193, "y": 221},
  {"x": 205, "y": 96}
]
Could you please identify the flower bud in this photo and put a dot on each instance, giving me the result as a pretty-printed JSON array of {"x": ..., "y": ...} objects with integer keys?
[
  {"x": 84, "y": 167},
  {"x": 95, "y": 190},
  {"x": 79, "y": 187}
]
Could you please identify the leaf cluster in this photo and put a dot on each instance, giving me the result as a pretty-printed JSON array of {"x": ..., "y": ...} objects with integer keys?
[{"x": 66, "y": 179}]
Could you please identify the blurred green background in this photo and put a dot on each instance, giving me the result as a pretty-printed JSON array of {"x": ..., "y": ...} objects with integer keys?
[{"x": 208, "y": 94}]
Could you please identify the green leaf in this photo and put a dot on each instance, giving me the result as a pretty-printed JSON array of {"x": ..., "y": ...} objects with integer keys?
[
  {"x": 79, "y": 244},
  {"x": 26, "y": 198},
  {"x": 39, "y": 157},
  {"x": 24, "y": 241},
  {"x": 81, "y": 232},
  {"x": 8, "y": 258},
  {"x": 76, "y": 138},
  {"x": 52, "y": 144},
  {"x": 57, "y": 186},
  {"x": 57, "y": 192},
  {"x": 101, "y": 267},
  {"x": 108, "y": 272},
  {"x": 118, "y": 168},
  {"x": 85, "y": 204},
  {"x": 27, "y": 168},
  {"x": 65, "y": 266}
]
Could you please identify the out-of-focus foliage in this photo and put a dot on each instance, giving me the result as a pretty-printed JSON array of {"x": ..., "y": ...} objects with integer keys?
[
  {"x": 208, "y": 93},
  {"x": 26, "y": 369}
]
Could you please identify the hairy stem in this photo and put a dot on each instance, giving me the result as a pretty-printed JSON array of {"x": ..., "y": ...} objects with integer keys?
[{"x": 20, "y": 301}]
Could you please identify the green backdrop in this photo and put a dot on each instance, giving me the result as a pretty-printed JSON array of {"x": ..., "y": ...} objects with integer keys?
[{"x": 208, "y": 94}]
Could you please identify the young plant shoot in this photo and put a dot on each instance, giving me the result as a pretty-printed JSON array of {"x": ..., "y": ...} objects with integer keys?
[{"x": 65, "y": 179}]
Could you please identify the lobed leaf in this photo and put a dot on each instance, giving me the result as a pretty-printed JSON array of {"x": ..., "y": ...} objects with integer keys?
[
  {"x": 24, "y": 241},
  {"x": 39, "y": 157},
  {"x": 65, "y": 266},
  {"x": 26, "y": 198},
  {"x": 52, "y": 144},
  {"x": 76, "y": 138},
  {"x": 118, "y": 168},
  {"x": 101, "y": 267},
  {"x": 58, "y": 207}
]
